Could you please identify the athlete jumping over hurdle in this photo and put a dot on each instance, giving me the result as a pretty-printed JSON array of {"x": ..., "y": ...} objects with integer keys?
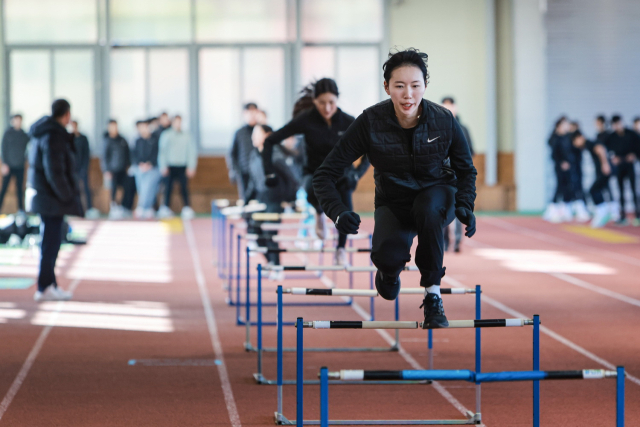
[{"x": 424, "y": 175}]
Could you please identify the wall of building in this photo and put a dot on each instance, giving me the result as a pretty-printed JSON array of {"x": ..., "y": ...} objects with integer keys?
[{"x": 453, "y": 34}]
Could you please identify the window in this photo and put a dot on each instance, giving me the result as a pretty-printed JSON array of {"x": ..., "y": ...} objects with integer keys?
[
  {"x": 146, "y": 82},
  {"x": 150, "y": 21},
  {"x": 229, "y": 78},
  {"x": 51, "y": 21},
  {"x": 241, "y": 21},
  {"x": 342, "y": 21}
]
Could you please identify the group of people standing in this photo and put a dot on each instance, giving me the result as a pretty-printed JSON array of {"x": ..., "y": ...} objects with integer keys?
[
  {"x": 162, "y": 154},
  {"x": 614, "y": 152}
]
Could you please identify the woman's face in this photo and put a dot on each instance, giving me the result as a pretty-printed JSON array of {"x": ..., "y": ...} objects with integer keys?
[
  {"x": 326, "y": 104},
  {"x": 406, "y": 88}
]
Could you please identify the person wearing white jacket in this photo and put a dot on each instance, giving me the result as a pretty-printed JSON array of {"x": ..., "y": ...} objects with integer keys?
[{"x": 177, "y": 160}]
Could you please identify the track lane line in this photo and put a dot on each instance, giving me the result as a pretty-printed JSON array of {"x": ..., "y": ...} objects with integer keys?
[
  {"x": 545, "y": 330},
  {"x": 229, "y": 399},
  {"x": 506, "y": 225},
  {"x": 33, "y": 354},
  {"x": 573, "y": 280}
]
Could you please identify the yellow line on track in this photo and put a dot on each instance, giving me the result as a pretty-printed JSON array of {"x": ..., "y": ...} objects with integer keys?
[{"x": 601, "y": 234}]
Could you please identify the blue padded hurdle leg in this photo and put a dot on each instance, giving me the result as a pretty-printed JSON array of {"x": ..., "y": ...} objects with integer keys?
[
  {"x": 299, "y": 373},
  {"x": 324, "y": 397},
  {"x": 620, "y": 397},
  {"x": 536, "y": 367},
  {"x": 259, "y": 326},
  {"x": 478, "y": 357}
]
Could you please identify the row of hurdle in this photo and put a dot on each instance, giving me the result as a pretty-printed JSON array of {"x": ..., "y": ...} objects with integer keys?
[{"x": 242, "y": 279}]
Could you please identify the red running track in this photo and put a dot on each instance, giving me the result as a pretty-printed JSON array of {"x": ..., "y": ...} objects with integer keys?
[{"x": 149, "y": 292}]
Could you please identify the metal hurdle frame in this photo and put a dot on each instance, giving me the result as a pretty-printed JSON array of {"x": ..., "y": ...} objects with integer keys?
[
  {"x": 472, "y": 418},
  {"x": 535, "y": 376},
  {"x": 259, "y": 376},
  {"x": 248, "y": 304}
]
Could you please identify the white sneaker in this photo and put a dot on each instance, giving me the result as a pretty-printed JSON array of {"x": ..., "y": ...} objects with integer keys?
[
  {"x": 566, "y": 215},
  {"x": 614, "y": 211},
  {"x": 276, "y": 275},
  {"x": 321, "y": 227},
  {"x": 580, "y": 209},
  {"x": 340, "y": 257},
  {"x": 92, "y": 213},
  {"x": 601, "y": 216},
  {"x": 165, "y": 212},
  {"x": 187, "y": 213},
  {"x": 552, "y": 213},
  {"x": 115, "y": 212},
  {"x": 149, "y": 214},
  {"x": 53, "y": 293},
  {"x": 138, "y": 213}
]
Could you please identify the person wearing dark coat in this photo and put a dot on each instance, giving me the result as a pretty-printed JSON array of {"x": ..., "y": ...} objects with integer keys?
[
  {"x": 83, "y": 157},
  {"x": 424, "y": 178},
  {"x": 13, "y": 153},
  {"x": 144, "y": 157},
  {"x": 115, "y": 165},
  {"x": 322, "y": 126},
  {"x": 450, "y": 105},
  {"x": 241, "y": 148},
  {"x": 623, "y": 145},
  {"x": 52, "y": 191},
  {"x": 273, "y": 197}
]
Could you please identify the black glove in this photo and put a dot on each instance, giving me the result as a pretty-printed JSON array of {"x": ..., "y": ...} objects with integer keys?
[
  {"x": 271, "y": 180},
  {"x": 467, "y": 218},
  {"x": 348, "y": 222}
]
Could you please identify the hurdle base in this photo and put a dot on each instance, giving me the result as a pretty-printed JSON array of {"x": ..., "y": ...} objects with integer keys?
[
  {"x": 282, "y": 420},
  {"x": 260, "y": 379}
]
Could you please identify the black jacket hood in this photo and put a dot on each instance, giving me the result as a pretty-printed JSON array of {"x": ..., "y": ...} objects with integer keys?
[{"x": 45, "y": 125}]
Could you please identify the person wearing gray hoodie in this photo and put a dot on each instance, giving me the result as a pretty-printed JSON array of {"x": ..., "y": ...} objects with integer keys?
[
  {"x": 177, "y": 161},
  {"x": 13, "y": 153}
]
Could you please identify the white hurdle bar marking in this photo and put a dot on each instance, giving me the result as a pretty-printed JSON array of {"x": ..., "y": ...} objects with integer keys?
[
  {"x": 453, "y": 324},
  {"x": 368, "y": 292}
]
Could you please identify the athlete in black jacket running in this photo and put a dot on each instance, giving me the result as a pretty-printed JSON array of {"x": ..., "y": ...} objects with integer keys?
[
  {"x": 322, "y": 126},
  {"x": 424, "y": 177}
]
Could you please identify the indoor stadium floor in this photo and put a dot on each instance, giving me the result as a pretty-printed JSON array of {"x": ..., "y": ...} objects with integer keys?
[{"x": 148, "y": 339}]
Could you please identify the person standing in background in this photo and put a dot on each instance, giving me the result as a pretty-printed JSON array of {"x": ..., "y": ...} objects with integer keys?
[
  {"x": 238, "y": 156},
  {"x": 115, "y": 165},
  {"x": 623, "y": 146},
  {"x": 145, "y": 159},
  {"x": 52, "y": 191},
  {"x": 579, "y": 202},
  {"x": 177, "y": 161},
  {"x": 14, "y": 152},
  {"x": 450, "y": 105},
  {"x": 601, "y": 137},
  {"x": 82, "y": 161},
  {"x": 562, "y": 156}
]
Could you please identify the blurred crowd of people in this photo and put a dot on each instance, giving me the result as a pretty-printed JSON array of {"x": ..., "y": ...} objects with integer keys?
[
  {"x": 163, "y": 153},
  {"x": 614, "y": 152}
]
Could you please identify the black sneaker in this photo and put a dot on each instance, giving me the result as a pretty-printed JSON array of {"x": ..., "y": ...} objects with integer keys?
[
  {"x": 456, "y": 248},
  {"x": 387, "y": 286},
  {"x": 434, "y": 317}
]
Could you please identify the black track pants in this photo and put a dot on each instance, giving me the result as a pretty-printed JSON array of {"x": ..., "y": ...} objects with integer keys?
[
  {"x": 396, "y": 226},
  {"x": 626, "y": 171}
]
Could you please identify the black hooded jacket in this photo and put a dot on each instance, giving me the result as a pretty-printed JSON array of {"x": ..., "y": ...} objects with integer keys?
[
  {"x": 438, "y": 154},
  {"x": 52, "y": 189}
]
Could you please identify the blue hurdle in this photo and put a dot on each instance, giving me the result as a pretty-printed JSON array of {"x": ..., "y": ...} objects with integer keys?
[
  {"x": 477, "y": 323},
  {"x": 466, "y": 375}
]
